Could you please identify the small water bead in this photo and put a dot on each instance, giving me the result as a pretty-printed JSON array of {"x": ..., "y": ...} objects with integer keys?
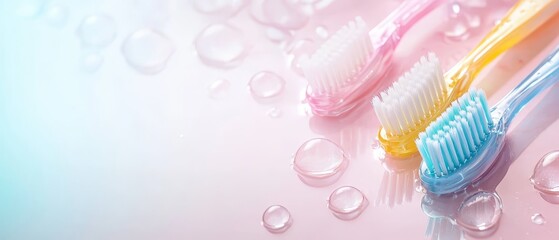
[
  {"x": 347, "y": 202},
  {"x": 480, "y": 211},
  {"x": 538, "y": 219},
  {"x": 222, "y": 7},
  {"x": 97, "y": 30},
  {"x": 91, "y": 62},
  {"x": 319, "y": 162},
  {"x": 545, "y": 178},
  {"x": 276, "y": 219},
  {"x": 221, "y": 45},
  {"x": 266, "y": 84},
  {"x": 322, "y": 32},
  {"x": 274, "y": 112},
  {"x": 56, "y": 15},
  {"x": 147, "y": 50},
  {"x": 219, "y": 89}
]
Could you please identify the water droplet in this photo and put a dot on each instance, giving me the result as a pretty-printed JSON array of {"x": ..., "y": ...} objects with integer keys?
[
  {"x": 266, "y": 84},
  {"x": 538, "y": 219},
  {"x": 461, "y": 22},
  {"x": 278, "y": 13},
  {"x": 320, "y": 162},
  {"x": 322, "y": 32},
  {"x": 219, "y": 89},
  {"x": 221, "y": 45},
  {"x": 91, "y": 62},
  {"x": 56, "y": 15},
  {"x": 480, "y": 211},
  {"x": 274, "y": 112},
  {"x": 347, "y": 203},
  {"x": 545, "y": 178},
  {"x": 276, "y": 219},
  {"x": 30, "y": 8},
  {"x": 147, "y": 50},
  {"x": 221, "y": 7},
  {"x": 277, "y": 35},
  {"x": 97, "y": 30}
]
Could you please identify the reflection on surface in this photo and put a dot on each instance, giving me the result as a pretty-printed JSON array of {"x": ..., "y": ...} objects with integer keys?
[{"x": 398, "y": 180}]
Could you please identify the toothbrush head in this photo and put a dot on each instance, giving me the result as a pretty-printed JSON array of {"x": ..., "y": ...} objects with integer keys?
[
  {"x": 343, "y": 69},
  {"x": 410, "y": 104},
  {"x": 461, "y": 145}
]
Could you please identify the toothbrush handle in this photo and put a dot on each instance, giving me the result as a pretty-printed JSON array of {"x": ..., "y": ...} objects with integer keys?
[
  {"x": 395, "y": 25},
  {"x": 544, "y": 76},
  {"x": 521, "y": 20}
]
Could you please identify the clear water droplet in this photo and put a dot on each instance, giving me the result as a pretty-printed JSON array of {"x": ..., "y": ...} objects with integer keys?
[
  {"x": 277, "y": 35},
  {"x": 91, "y": 62},
  {"x": 461, "y": 22},
  {"x": 219, "y": 89},
  {"x": 480, "y": 211},
  {"x": 221, "y": 7},
  {"x": 266, "y": 84},
  {"x": 545, "y": 177},
  {"x": 322, "y": 32},
  {"x": 221, "y": 45},
  {"x": 319, "y": 162},
  {"x": 147, "y": 50},
  {"x": 30, "y": 8},
  {"x": 274, "y": 112},
  {"x": 56, "y": 15},
  {"x": 97, "y": 30},
  {"x": 278, "y": 13},
  {"x": 538, "y": 219},
  {"x": 347, "y": 202},
  {"x": 276, "y": 219}
]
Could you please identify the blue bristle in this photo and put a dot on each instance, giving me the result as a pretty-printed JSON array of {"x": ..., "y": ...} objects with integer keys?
[{"x": 451, "y": 140}]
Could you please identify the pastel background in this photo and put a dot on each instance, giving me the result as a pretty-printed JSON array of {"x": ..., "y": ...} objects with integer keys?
[{"x": 113, "y": 151}]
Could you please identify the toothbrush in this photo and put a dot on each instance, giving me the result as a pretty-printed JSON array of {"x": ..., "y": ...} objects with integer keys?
[
  {"x": 349, "y": 65},
  {"x": 422, "y": 94},
  {"x": 463, "y": 143}
]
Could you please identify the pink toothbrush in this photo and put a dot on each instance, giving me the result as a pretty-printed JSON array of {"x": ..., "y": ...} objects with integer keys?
[{"x": 349, "y": 65}]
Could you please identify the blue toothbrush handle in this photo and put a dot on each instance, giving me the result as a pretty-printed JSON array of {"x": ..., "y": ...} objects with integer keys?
[{"x": 544, "y": 76}]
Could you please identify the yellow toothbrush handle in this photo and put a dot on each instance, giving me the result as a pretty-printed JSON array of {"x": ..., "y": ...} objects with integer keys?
[{"x": 521, "y": 20}]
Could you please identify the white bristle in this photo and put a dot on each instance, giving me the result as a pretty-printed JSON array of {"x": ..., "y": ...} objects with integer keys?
[
  {"x": 412, "y": 98},
  {"x": 339, "y": 58},
  {"x": 456, "y": 135}
]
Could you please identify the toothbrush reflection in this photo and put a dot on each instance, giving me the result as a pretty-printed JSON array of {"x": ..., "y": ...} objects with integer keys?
[
  {"x": 399, "y": 181},
  {"x": 475, "y": 211}
]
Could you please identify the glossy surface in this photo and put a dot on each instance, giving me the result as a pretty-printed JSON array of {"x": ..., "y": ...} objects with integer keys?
[{"x": 117, "y": 154}]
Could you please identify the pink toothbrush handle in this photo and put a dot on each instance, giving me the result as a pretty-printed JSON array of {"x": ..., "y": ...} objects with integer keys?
[{"x": 395, "y": 25}]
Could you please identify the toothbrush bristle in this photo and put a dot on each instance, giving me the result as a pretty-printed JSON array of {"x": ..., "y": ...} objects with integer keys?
[
  {"x": 451, "y": 140},
  {"x": 343, "y": 55},
  {"x": 412, "y": 98}
]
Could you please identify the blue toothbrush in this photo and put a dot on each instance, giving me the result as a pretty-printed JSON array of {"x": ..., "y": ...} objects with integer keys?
[{"x": 463, "y": 143}]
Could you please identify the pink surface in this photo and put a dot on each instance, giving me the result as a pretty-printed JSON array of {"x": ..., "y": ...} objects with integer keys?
[{"x": 124, "y": 155}]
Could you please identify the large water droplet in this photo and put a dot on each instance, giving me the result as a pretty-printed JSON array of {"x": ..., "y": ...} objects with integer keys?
[
  {"x": 266, "y": 84},
  {"x": 221, "y": 45},
  {"x": 30, "y": 8},
  {"x": 546, "y": 174},
  {"x": 97, "y": 30},
  {"x": 219, "y": 89},
  {"x": 56, "y": 15},
  {"x": 147, "y": 50},
  {"x": 480, "y": 211},
  {"x": 91, "y": 62},
  {"x": 538, "y": 219},
  {"x": 347, "y": 203},
  {"x": 279, "y": 13},
  {"x": 276, "y": 219},
  {"x": 221, "y": 7},
  {"x": 319, "y": 162}
]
